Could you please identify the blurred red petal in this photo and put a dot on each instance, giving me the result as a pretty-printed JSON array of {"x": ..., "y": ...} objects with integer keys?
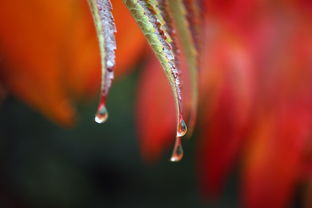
[
  {"x": 274, "y": 156},
  {"x": 227, "y": 81},
  {"x": 155, "y": 112},
  {"x": 273, "y": 160}
]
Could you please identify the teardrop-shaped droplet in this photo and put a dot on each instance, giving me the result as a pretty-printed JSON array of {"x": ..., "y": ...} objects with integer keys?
[
  {"x": 177, "y": 153},
  {"x": 101, "y": 115},
  {"x": 186, "y": 16},
  {"x": 182, "y": 128},
  {"x": 105, "y": 27}
]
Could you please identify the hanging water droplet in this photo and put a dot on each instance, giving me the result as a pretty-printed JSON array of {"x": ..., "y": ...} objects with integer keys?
[
  {"x": 182, "y": 128},
  {"x": 101, "y": 115},
  {"x": 105, "y": 28},
  {"x": 177, "y": 153}
]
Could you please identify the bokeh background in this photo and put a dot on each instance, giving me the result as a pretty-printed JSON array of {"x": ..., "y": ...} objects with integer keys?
[
  {"x": 252, "y": 143},
  {"x": 89, "y": 165}
]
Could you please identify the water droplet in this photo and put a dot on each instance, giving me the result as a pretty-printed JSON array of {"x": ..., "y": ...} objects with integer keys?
[
  {"x": 177, "y": 153},
  {"x": 110, "y": 64},
  {"x": 182, "y": 128},
  {"x": 101, "y": 115}
]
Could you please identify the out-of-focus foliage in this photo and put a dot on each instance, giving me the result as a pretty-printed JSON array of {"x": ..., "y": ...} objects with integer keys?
[
  {"x": 255, "y": 104},
  {"x": 170, "y": 26},
  {"x": 50, "y": 54}
]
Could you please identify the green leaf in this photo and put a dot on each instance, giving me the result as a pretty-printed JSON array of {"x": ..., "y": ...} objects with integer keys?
[
  {"x": 186, "y": 16},
  {"x": 153, "y": 25},
  {"x": 155, "y": 18},
  {"x": 151, "y": 21},
  {"x": 105, "y": 27}
]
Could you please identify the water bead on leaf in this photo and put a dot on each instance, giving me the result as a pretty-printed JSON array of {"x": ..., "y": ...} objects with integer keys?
[
  {"x": 105, "y": 26},
  {"x": 101, "y": 114},
  {"x": 182, "y": 128},
  {"x": 186, "y": 15},
  {"x": 177, "y": 153},
  {"x": 155, "y": 18},
  {"x": 151, "y": 21}
]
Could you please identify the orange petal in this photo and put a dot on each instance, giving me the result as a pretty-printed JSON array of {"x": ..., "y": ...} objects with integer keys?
[
  {"x": 130, "y": 39},
  {"x": 51, "y": 53},
  {"x": 81, "y": 56},
  {"x": 31, "y": 41}
]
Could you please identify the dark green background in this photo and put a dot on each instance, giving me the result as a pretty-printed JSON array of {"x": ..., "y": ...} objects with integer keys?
[{"x": 91, "y": 165}]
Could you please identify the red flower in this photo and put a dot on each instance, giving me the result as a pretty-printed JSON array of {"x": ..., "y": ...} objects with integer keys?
[{"x": 255, "y": 101}]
